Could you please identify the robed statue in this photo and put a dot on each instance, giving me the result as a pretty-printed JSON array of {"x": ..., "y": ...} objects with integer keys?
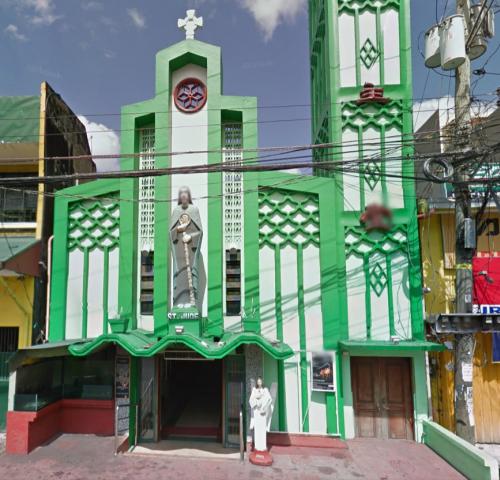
[
  {"x": 186, "y": 234},
  {"x": 261, "y": 405}
]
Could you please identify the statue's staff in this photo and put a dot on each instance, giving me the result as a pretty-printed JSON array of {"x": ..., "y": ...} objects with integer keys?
[{"x": 184, "y": 221}]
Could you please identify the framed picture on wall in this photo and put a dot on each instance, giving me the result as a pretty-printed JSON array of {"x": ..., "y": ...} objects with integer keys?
[{"x": 323, "y": 372}]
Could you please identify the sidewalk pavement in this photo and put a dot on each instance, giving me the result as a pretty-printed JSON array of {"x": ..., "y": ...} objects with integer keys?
[{"x": 82, "y": 457}]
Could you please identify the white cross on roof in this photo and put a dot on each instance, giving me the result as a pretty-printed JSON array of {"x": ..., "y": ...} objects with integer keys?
[{"x": 190, "y": 24}]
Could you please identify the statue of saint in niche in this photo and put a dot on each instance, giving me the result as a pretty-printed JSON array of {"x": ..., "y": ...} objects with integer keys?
[{"x": 186, "y": 234}]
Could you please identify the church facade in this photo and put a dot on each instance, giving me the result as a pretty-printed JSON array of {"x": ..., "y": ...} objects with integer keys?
[{"x": 172, "y": 293}]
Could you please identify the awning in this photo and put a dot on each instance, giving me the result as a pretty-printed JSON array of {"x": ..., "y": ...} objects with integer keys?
[
  {"x": 45, "y": 350},
  {"x": 141, "y": 344},
  {"x": 357, "y": 346},
  {"x": 19, "y": 255}
]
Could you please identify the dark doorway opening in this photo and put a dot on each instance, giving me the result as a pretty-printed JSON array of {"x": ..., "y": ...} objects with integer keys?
[{"x": 191, "y": 400}]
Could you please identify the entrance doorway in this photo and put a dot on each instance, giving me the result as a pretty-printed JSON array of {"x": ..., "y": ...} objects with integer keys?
[
  {"x": 191, "y": 400},
  {"x": 382, "y": 395}
]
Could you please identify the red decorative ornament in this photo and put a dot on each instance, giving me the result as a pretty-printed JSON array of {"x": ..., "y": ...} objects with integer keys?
[
  {"x": 372, "y": 94},
  {"x": 190, "y": 95},
  {"x": 376, "y": 217}
]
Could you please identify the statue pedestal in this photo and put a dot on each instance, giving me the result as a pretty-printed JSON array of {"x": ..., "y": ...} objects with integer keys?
[
  {"x": 189, "y": 318},
  {"x": 262, "y": 459}
]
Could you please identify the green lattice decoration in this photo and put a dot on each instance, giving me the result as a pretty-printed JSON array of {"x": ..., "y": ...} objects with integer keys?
[
  {"x": 367, "y": 115},
  {"x": 369, "y": 54},
  {"x": 288, "y": 218},
  {"x": 360, "y": 5},
  {"x": 364, "y": 244},
  {"x": 372, "y": 174},
  {"x": 378, "y": 279},
  {"x": 94, "y": 224}
]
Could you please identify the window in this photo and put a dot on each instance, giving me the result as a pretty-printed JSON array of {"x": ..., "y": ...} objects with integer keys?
[
  {"x": 146, "y": 221},
  {"x": 147, "y": 282},
  {"x": 17, "y": 203},
  {"x": 90, "y": 377},
  {"x": 232, "y": 141},
  {"x": 233, "y": 282},
  {"x": 50, "y": 380}
]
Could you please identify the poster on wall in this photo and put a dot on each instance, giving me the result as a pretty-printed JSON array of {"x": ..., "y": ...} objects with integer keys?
[
  {"x": 323, "y": 371},
  {"x": 122, "y": 393},
  {"x": 122, "y": 379}
]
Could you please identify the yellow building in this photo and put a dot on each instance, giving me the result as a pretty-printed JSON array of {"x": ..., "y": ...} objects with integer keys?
[
  {"x": 32, "y": 128},
  {"x": 437, "y": 236}
]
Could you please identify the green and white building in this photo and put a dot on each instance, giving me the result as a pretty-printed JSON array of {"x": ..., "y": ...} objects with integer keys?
[{"x": 295, "y": 289}]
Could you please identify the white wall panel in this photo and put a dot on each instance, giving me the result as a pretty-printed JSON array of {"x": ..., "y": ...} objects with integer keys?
[
  {"x": 395, "y": 192},
  {"x": 289, "y": 298},
  {"x": 401, "y": 296},
  {"x": 95, "y": 294},
  {"x": 292, "y": 389},
  {"x": 312, "y": 299},
  {"x": 347, "y": 50},
  {"x": 379, "y": 304},
  {"x": 74, "y": 296},
  {"x": 267, "y": 293},
  {"x": 371, "y": 150},
  {"x": 351, "y": 181},
  {"x": 113, "y": 276},
  {"x": 390, "y": 28},
  {"x": 356, "y": 289},
  {"x": 368, "y": 30},
  {"x": 317, "y": 405}
]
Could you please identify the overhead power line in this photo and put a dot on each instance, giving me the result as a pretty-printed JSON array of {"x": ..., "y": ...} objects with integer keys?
[
  {"x": 207, "y": 125},
  {"x": 257, "y": 107},
  {"x": 400, "y": 139},
  {"x": 464, "y": 157}
]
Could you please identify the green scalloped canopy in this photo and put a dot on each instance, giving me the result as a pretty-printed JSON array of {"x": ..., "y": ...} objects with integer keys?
[{"x": 140, "y": 344}]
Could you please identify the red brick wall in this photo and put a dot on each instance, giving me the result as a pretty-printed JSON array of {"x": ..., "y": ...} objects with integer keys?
[{"x": 28, "y": 430}]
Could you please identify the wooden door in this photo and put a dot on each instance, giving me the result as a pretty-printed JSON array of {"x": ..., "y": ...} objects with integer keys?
[
  {"x": 486, "y": 391},
  {"x": 382, "y": 396}
]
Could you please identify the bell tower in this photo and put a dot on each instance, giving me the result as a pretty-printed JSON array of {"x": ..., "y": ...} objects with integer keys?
[
  {"x": 354, "y": 43},
  {"x": 361, "y": 96}
]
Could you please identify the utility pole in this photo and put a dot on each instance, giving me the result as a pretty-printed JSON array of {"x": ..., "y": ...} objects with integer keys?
[{"x": 464, "y": 342}]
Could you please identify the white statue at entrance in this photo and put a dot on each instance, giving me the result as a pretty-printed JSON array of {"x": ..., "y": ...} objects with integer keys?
[{"x": 261, "y": 405}]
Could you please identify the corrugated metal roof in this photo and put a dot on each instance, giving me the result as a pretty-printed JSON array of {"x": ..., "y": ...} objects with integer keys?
[
  {"x": 19, "y": 119},
  {"x": 10, "y": 246}
]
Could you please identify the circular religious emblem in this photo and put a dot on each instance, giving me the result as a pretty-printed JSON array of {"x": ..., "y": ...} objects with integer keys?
[{"x": 190, "y": 95}]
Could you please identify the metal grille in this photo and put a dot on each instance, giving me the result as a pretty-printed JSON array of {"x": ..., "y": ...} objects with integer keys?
[
  {"x": 9, "y": 338},
  {"x": 146, "y": 190},
  {"x": 232, "y": 142}
]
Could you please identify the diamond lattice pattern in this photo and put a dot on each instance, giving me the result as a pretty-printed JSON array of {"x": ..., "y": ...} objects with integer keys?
[
  {"x": 378, "y": 279},
  {"x": 369, "y": 54},
  {"x": 94, "y": 224},
  {"x": 288, "y": 218}
]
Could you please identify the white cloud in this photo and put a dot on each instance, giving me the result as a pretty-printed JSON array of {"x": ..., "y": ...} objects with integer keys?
[
  {"x": 13, "y": 32},
  {"x": 44, "y": 11},
  {"x": 137, "y": 17},
  {"x": 270, "y": 13},
  {"x": 41, "y": 6},
  {"x": 102, "y": 141},
  {"x": 91, "y": 5},
  {"x": 45, "y": 19}
]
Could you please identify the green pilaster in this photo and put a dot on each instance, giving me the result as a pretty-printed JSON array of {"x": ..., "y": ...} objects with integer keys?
[{"x": 85, "y": 303}]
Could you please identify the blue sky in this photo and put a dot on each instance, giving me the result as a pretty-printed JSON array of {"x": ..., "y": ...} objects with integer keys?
[{"x": 99, "y": 55}]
